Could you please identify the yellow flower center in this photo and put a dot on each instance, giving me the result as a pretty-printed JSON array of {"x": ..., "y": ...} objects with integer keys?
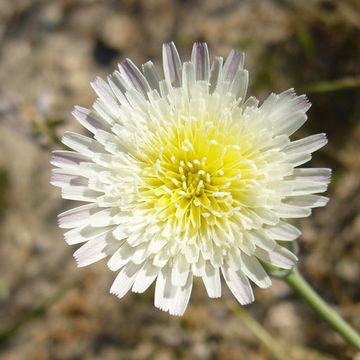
[{"x": 198, "y": 172}]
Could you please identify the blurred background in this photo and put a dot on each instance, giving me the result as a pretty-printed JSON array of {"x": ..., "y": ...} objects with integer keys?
[{"x": 49, "y": 51}]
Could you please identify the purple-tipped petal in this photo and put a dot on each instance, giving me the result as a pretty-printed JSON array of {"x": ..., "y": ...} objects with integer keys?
[
  {"x": 201, "y": 61},
  {"x": 77, "y": 217},
  {"x": 60, "y": 179},
  {"x": 233, "y": 63},
  {"x": 172, "y": 64},
  {"x": 135, "y": 77},
  {"x": 68, "y": 159},
  {"x": 89, "y": 119}
]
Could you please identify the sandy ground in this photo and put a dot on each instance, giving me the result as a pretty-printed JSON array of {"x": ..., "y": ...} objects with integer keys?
[{"x": 49, "y": 51}]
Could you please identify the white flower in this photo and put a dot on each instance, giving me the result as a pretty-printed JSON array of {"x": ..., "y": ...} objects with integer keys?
[{"x": 184, "y": 178}]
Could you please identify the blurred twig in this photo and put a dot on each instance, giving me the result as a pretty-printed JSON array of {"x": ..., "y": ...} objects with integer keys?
[
  {"x": 261, "y": 333},
  {"x": 37, "y": 312},
  {"x": 281, "y": 350},
  {"x": 333, "y": 85}
]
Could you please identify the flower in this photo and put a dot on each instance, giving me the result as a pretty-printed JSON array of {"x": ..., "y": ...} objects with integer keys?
[{"x": 184, "y": 178}]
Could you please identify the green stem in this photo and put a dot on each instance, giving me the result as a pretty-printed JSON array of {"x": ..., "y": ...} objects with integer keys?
[{"x": 302, "y": 288}]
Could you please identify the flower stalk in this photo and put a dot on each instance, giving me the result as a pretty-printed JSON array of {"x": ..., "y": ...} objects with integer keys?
[{"x": 297, "y": 282}]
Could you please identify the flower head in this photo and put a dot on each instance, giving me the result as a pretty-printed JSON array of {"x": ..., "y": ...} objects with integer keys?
[{"x": 185, "y": 178}]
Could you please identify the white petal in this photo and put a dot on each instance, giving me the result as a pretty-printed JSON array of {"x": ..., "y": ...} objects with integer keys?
[
  {"x": 247, "y": 244},
  {"x": 254, "y": 271},
  {"x": 81, "y": 143},
  {"x": 290, "y": 123},
  {"x": 145, "y": 277},
  {"x": 156, "y": 244},
  {"x": 106, "y": 95},
  {"x": 119, "y": 87},
  {"x": 211, "y": 280},
  {"x": 278, "y": 142},
  {"x": 307, "y": 145},
  {"x": 140, "y": 254},
  {"x": 80, "y": 193},
  {"x": 251, "y": 101},
  {"x": 92, "y": 251},
  {"x": 201, "y": 61},
  {"x": 288, "y": 102},
  {"x": 180, "y": 270},
  {"x": 135, "y": 77},
  {"x": 233, "y": 63},
  {"x": 104, "y": 217},
  {"x": 136, "y": 238},
  {"x": 269, "y": 217},
  {"x": 138, "y": 102},
  {"x": 269, "y": 103},
  {"x": 240, "y": 84},
  {"x": 198, "y": 267},
  {"x": 68, "y": 159},
  {"x": 283, "y": 231},
  {"x": 188, "y": 77},
  {"x": 119, "y": 233},
  {"x": 233, "y": 258},
  {"x": 89, "y": 119},
  {"x": 121, "y": 257},
  {"x": 125, "y": 279},
  {"x": 87, "y": 232},
  {"x": 77, "y": 217},
  {"x": 105, "y": 112},
  {"x": 192, "y": 253},
  {"x": 164, "y": 290},
  {"x": 261, "y": 240},
  {"x": 239, "y": 285},
  {"x": 151, "y": 75},
  {"x": 321, "y": 175},
  {"x": 62, "y": 180},
  {"x": 279, "y": 256},
  {"x": 311, "y": 201},
  {"x": 292, "y": 211},
  {"x": 171, "y": 64},
  {"x": 110, "y": 141},
  {"x": 180, "y": 301},
  {"x": 298, "y": 159},
  {"x": 164, "y": 88},
  {"x": 105, "y": 160},
  {"x": 306, "y": 187},
  {"x": 161, "y": 258},
  {"x": 215, "y": 73}
]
